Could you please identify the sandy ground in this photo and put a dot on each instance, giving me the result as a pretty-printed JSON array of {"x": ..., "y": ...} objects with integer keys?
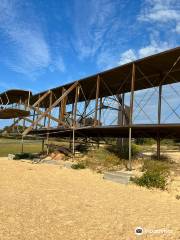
[{"x": 42, "y": 201}]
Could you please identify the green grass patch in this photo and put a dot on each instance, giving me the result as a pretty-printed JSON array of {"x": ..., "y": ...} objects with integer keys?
[{"x": 13, "y": 146}]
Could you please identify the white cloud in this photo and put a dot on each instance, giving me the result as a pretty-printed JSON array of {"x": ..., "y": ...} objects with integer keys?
[
  {"x": 160, "y": 11},
  {"x": 150, "y": 49},
  {"x": 153, "y": 48},
  {"x": 127, "y": 56}
]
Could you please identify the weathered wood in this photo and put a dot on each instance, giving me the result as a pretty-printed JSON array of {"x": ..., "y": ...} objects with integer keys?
[
  {"x": 131, "y": 115},
  {"x": 50, "y": 103},
  {"x": 75, "y": 105},
  {"x": 63, "y": 106},
  {"x": 52, "y": 106},
  {"x": 41, "y": 98},
  {"x": 97, "y": 98}
]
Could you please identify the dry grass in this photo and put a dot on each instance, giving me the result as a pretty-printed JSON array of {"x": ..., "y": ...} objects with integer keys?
[{"x": 41, "y": 201}]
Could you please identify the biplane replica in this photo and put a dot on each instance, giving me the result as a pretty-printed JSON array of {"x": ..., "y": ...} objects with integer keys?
[
  {"x": 76, "y": 109},
  {"x": 14, "y": 104}
]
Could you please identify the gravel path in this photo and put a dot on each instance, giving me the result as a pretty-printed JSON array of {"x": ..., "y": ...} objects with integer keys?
[{"x": 44, "y": 202}]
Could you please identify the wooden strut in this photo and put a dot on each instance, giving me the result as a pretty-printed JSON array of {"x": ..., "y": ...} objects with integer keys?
[
  {"x": 159, "y": 122},
  {"x": 75, "y": 106},
  {"x": 97, "y": 98},
  {"x": 32, "y": 107},
  {"x": 49, "y": 109},
  {"x": 131, "y": 116},
  {"x": 100, "y": 109},
  {"x": 49, "y": 121},
  {"x": 63, "y": 106}
]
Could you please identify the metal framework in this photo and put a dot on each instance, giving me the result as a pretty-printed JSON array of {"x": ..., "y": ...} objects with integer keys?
[{"x": 105, "y": 105}]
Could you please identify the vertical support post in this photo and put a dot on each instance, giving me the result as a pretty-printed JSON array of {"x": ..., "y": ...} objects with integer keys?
[
  {"x": 131, "y": 115},
  {"x": 159, "y": 122},
  {"x": 50, "y": 103},
  {"x": 159, "y": 104},
  {"x": 73, "y": 143},
  {"x": 63, "y": 106},
  {"x": 122, "y": 119},
  {"x": 75, "y": 106},
  {"x": 45, "y": 119},
  {"x": 97, "y": 98},
  {"x": 43, "y": 145},
  {"x": 74, "y": 117},
  {"x": 22, "y": 144},
  {"x": 100, "y": 108},
  {"x": 59, "y": 114},
  {"x": 38, "y": 109},
  {"x": 24, "y": 121},
  {"x": 34, "y": 115},
  {"x": 72, "y": 114},
  {"x": 13, "y": 128},
  {"x": 122, "y": 110},
  {"x": 49, "y": 121}
]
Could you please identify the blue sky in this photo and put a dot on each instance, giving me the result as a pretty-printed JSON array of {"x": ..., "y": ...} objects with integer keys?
[{"x": 45, "y": 43}]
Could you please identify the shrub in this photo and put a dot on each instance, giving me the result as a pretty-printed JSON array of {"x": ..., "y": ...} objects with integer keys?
[
  {"x": 19, "y": 156},
  {"x": 78, "y": 166},
  {"x": 152, "y": 180},
  {"x": 155, "y": 175}
]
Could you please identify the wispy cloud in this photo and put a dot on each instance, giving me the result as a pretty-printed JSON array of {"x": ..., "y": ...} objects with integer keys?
[
  {"x": 161, "y": 11},
  {"x": 93, "y": 22},
  {"x": 30, "y": 52}
]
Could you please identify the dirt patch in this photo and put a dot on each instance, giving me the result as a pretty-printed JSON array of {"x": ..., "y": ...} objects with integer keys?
[{"x": 40, "y": 201}]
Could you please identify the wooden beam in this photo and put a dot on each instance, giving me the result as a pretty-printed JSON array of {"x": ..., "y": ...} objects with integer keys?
[
  {"x": 100, "y": 109},
  {"x": 63, "y": 105},
  {"x": 31, "y": 121},
  {"x": 41, "y": 98},
  {"x": 159, "y": 104},
  {"x": 131, "y": 116},
  {"x": 75, "y": 105},
  {"x": 52, "y": 106},
  {"x": 46, "y": 114},
  {"x": 97, "y": 98}
]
